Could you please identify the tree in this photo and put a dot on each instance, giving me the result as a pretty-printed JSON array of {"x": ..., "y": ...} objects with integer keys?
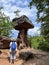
[
  {"x": 5, "y": 24},
  {"x": 42, "y": 7}
]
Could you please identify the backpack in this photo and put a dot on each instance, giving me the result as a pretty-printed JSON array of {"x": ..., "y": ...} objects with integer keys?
[{"x": 13, "y": 46}]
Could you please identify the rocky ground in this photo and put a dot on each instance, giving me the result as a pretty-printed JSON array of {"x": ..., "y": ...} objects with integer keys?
[{"x": 41, "y": 58}]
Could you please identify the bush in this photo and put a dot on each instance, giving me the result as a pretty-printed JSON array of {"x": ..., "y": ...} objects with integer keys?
[
  {"x": 44, "y": 45},
  {"x": 34, "y": 41},
  {"x": 38, "y": 42}
]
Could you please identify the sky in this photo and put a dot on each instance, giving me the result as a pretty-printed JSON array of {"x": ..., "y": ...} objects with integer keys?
[{"x": 9, "y": 6}]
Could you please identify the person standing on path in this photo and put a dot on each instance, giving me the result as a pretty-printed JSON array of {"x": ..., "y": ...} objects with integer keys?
[{"x": 13, "y": 50}]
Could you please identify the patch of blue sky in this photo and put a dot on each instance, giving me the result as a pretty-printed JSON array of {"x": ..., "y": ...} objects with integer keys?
[
  {"x": 34, "y": 22},
  {"x": 1, "y": 3},
  {"x": 22, "y": 4},
  {"x": 14, "y": 33}
]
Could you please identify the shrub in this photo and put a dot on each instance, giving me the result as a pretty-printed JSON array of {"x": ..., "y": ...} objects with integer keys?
[{"x": 43, "y": 45}]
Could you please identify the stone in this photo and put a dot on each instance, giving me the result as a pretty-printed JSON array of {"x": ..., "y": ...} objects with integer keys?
[{"x": 26, "y": 55}]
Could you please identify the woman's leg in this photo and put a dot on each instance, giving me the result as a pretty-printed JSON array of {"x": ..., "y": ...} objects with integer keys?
[
  {"x": 13, "y": 61},
  {"x": 10, "y": 58}
]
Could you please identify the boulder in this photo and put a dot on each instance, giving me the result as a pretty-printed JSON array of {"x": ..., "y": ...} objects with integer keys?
[{"x": 26, "y": 55}]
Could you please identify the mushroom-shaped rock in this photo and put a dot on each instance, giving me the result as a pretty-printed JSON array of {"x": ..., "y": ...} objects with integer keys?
[{"x": 22, "y": 24}]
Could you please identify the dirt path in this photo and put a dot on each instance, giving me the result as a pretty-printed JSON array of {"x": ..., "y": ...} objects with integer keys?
[
  {"x": 4, "y": 58},
  {"x": 40, "y": 60}
]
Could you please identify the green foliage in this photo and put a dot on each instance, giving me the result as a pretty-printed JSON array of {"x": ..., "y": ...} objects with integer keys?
[
  {"x": 34, "y": 41},
  {"x": 38, "y": 42},
  {"x": 45, "y": 31},
  {"x": 5, "y": 24},
  {"x": 42, "y": 7},
  {"x": 44, "y": 45}
]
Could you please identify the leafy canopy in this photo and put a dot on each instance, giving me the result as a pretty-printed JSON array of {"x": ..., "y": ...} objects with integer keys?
[
  {"x": 42, "y": 16},
  {"x": 5, "y": 24}
]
